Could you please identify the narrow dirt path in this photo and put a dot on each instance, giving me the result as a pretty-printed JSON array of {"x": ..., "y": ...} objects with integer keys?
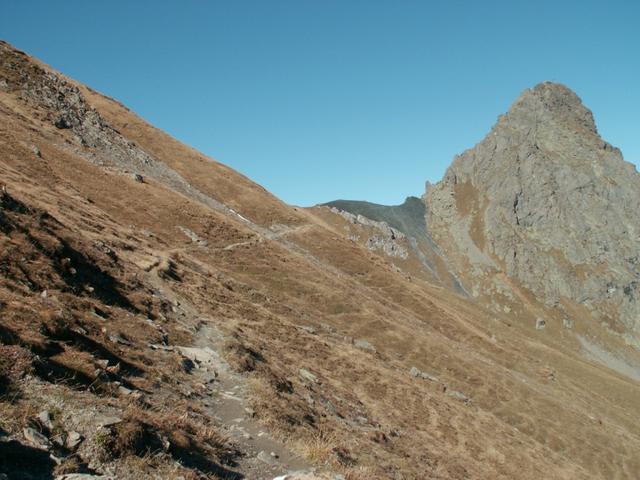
[
  {"x": 224, "y": 396},
  {"x": 266, "y": 457}
]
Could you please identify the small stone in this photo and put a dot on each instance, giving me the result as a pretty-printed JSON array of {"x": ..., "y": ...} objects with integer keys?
[
  {"x": 166, "y": 444},
  {"x": 102, "y": 363},
  {"x": 567, "y": 323},
  {"x": 36, "y": 151},
  {"x": 36, "y": 439},
  {"x": 250, "y": 411},
  {"x": 124, "y": 391},
  {"x": 364, "y": 345},
  {"x": 415, "y": 372},
  {"x": 267, "y": 458},
  {"x": 307, "y": 375},
  {"x": 306, "y": 328},
  {"x": 44, "y": 294},
  {"x": 73, "y": 440},
  {"x": 138, "y": 178},
  {"x": 117, "y": 338},
  {"x": 540, "y": 323},
  {"x": 107, "y": 421},
  {"x": 458, "y": 396},
  {"x": 45, "y": 419}
]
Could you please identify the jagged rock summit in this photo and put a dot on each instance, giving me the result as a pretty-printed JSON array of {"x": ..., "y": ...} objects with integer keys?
[{"x": 544, "y": 199}]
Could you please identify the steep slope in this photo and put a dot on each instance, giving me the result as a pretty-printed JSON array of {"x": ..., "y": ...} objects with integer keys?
[{"x": 149, "y": 295}]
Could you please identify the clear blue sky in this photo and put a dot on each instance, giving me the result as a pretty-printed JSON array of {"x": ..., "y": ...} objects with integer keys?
[{"x": 326, "y": 99}]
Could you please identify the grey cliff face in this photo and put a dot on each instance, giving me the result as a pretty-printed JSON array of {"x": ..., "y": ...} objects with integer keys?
[{"x": 548, "y": 202}]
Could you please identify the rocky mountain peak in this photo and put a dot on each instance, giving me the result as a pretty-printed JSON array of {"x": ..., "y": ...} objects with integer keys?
[
  {"x": 550, "y": 102},
  {"x": 545, "y": 200}
]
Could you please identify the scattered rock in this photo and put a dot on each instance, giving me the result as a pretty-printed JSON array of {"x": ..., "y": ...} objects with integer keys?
[
  {"x": 107, "y": 421},
  {"x": 44, "y": 418},
  {"x": 307, "y": 375},
  {"x": 36, "y": 439},
  {"x": 102, "y": 363},
  {"x": 386, "y": 240},
  {"x": 540, "y": 323},
  {"x": 458, "y": 396},
  {"x": 200, "y": 356},
  {"x": 36, "y": 151},
  {"x": 124, "y": 391},
  {"x": 267, "y": 458},
  {"x": 364, "y": 345},
  {"x": 73, "y": 440},
  {"x": 306, "y": 328},
  {"x": 415, "y": 372},
  {"x": 117, "y": 338}
]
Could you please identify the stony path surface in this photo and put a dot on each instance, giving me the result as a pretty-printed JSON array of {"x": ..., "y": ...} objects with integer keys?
[
  {"x": 266, "y": 457},
  {"x": 224, "y": 393}
]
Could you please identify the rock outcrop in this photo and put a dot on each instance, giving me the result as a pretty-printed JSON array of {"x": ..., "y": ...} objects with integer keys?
[
  {"x": 386, "y": 238},
  {"x": 544, "y": 199}
]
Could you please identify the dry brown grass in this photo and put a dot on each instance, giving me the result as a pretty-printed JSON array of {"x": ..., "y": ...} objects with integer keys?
[
  {"x": 16, "y": 414},
  {"x": 317, "y": 447},
  {"x": 182, "y": 426}
]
